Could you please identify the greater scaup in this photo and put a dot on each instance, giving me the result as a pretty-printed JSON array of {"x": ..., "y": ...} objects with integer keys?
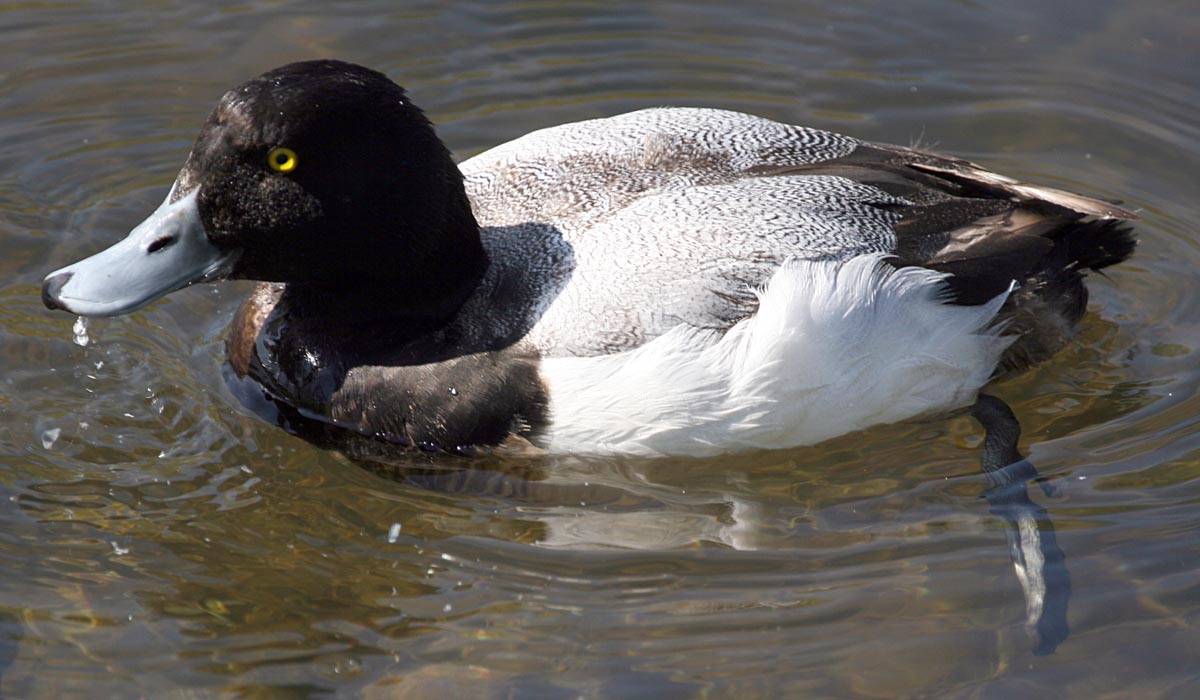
[{"x": 669, "y": 281}]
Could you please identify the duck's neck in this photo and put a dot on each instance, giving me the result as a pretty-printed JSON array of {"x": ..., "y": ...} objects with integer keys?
[{"x": 399, "y": 285}]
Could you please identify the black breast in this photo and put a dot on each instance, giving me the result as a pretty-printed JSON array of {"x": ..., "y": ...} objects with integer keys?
[{"x": 417, "y": 384}]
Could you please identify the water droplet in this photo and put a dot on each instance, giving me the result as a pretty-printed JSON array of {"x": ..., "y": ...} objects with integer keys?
[
  {"x": 80, "y": 330},
  {"x": 49, "y": 437},
  {"x": 394, "y": 533},
  {"x": 347, "y": 666}
]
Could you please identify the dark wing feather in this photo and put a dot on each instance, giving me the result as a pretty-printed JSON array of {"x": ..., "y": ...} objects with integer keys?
[{"x": 989, "y": 233}]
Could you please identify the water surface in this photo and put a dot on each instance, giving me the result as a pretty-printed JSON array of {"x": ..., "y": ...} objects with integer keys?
[{"x": 157, "y": 540}]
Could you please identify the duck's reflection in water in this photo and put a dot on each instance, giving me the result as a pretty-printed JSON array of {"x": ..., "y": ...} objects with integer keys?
[{"x": 649, "y": 505}]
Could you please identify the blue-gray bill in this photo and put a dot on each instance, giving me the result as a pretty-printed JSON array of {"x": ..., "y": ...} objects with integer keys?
[
  {"x": 1039, "y": 562},
  {"x": 168, "y": 251}
]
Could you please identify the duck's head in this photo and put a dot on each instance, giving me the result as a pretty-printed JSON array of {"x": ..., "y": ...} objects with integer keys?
[{"x": 321, "y": 174}]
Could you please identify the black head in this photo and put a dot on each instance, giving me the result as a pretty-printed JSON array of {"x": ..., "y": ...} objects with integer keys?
[
  {"x": 320, "y": 174},
  {"x": 324, "y": 172}
]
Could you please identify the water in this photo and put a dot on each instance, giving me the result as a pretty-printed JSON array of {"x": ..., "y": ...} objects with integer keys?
[
  {"x": 79, "y": 331},
  {"x": 158, "y": 541}
]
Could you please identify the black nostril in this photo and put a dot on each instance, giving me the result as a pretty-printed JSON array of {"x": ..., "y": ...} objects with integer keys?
[
  {"x": 51, "y": 289},
  {"x": 159, "y": 243}
]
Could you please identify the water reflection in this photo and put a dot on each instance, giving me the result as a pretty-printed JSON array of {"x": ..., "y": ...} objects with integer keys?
[
  {"x": 254, "y": 566},
  {"x": 1039, "y": 562}
]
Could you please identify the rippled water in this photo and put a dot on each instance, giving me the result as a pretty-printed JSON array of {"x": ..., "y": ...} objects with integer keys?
[{"x": 158, "y": 541}]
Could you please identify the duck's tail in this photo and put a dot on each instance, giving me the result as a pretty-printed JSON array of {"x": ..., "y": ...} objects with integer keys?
[
  {"x": 988, "y": 232},
  {"x": 1094, "y": 244},
  {"x": 1048, "y": 263}
]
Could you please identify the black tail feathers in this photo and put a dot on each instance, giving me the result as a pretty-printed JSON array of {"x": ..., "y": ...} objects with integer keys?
[
  {"x": 1045, "y": 308},
  {"x": 1097, "y": 244},
  {"x": 1048, "y": 270}
]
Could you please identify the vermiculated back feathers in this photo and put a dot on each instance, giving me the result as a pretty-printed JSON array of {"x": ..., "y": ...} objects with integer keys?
[{"x": 676, "y": 215}]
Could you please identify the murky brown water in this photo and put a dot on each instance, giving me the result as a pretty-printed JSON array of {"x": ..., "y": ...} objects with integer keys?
[{"x": 157, "y": 541}]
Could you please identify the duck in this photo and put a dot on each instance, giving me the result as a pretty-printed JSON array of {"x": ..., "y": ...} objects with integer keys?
[{"x": 668, "y": 282}]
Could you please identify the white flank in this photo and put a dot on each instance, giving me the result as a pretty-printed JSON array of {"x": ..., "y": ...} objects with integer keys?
[{"x": 834, "y": 347}]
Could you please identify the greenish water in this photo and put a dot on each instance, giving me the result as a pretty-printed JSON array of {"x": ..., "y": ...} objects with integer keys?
[{"x": 158, "y": 541}]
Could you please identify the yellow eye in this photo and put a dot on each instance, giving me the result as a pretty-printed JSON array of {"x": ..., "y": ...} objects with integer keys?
[{"x": 282, "y": 160}]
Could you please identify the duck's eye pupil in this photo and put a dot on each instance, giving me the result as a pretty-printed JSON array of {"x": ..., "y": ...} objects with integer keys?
[{"x": 282, "y": 160}]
